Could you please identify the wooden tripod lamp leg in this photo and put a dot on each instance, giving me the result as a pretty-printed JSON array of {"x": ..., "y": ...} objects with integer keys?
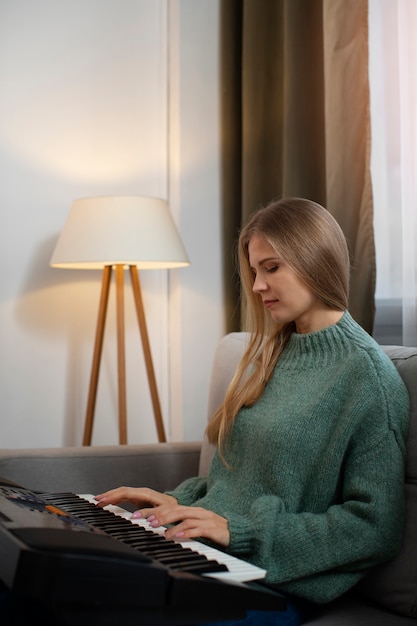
[
  {"x": 98, "y": 346},
  {"x": 147, "y": 353},
  {"x": 121, "y": 360}
]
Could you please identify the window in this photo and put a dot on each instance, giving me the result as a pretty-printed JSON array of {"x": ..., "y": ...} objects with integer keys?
[{"x": 393, "y": 90}]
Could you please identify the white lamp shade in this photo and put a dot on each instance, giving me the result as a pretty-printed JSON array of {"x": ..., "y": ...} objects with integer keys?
[{"x": 122, "y": 230}]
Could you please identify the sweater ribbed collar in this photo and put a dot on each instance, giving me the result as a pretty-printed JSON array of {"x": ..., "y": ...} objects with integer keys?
[{"x": 324, "y": 346}]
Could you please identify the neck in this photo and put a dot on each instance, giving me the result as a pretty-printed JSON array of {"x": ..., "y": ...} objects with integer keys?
[{"x": 322, "y": 318}]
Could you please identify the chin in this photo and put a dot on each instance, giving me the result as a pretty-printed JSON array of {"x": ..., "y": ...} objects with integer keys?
[{"x": 278, "y": 319}]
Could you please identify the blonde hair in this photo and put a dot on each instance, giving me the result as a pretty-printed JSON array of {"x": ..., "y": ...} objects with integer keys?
[{"x": 310, "y": 240}]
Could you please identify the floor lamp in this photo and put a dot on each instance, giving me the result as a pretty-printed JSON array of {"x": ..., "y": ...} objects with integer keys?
[{"x": 113, "y": 234}]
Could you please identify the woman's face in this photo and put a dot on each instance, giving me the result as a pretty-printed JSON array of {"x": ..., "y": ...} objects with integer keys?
[{"x": 283, "y": 293}]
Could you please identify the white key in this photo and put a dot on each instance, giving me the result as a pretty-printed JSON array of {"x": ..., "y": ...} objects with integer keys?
[{"x": 238, "y": 570}]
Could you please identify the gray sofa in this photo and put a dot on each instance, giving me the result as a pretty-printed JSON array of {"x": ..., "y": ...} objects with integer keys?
[{"x": 386, "y": 597}]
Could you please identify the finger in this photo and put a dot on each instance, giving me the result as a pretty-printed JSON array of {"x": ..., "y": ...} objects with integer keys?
[
  {"x": 204, "y": 524},
  {"x": 198, "y": 529},
  {"x": 154, "y": 513},
  {"x": 143, "y": 513},
  {"x": 124, "y": 494},
  {"x": 160, "y": 502},
  {"x": 113, "y": 496},
  {"x": 164, "y": 515},
  {"x": 188, "y": 529},
  {"x": 181, "y": 517}
]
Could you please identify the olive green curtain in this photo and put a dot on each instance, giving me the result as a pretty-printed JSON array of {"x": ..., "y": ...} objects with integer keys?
[{"x": 295, "y": 122}]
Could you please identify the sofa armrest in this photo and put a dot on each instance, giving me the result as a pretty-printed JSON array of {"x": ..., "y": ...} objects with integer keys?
[{"x": 160, "y": 466}]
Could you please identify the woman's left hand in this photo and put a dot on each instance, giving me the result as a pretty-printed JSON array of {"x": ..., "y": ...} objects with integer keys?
[{"x": 190, "y": 522}]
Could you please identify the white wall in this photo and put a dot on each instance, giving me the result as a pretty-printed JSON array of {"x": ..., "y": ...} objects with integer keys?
[
  {"x": 195, "y": 194},
  {"x": 105, "y": 97}
]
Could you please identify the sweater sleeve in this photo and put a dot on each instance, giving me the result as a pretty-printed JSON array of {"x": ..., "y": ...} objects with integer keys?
[
  {"x": 320, "y": 556},
  {"x": 190, "y": 490}
]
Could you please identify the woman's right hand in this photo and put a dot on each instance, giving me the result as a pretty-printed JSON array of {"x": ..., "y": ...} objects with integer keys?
[{"x": 138, "y": 496}]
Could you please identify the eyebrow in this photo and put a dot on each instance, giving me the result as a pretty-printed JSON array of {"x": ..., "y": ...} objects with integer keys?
[{"x": 270, "y": 259}]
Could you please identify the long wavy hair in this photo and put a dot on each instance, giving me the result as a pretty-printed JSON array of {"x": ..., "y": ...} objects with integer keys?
[{"x": 309, "y": 239}]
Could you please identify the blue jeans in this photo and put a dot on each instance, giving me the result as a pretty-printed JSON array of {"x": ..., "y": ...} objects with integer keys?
[{"x": 295, "y": 615}]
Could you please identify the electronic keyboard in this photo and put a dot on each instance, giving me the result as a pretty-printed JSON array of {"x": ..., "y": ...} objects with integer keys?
[{"x": 83, "y": 561}]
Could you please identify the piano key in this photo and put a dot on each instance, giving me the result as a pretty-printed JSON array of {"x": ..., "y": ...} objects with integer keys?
[
  {"x": 237, "y": 569},
  {"x": 168, "y": 553},
  {"x": 206, "y": 568},
  {"x": 240, "y": 571}
]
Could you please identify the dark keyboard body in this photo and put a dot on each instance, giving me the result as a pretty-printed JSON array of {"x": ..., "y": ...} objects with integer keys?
[{"x": 85, "y": 562}]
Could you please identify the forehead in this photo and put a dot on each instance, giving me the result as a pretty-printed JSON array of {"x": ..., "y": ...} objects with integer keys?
[{"x": 260, "y": 250}]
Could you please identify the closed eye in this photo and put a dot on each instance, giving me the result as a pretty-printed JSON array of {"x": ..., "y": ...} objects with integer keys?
[{"x": 271, "y": 270}]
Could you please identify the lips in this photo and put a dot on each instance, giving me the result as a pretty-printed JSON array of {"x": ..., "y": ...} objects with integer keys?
[{"x": 268, "y": 303}]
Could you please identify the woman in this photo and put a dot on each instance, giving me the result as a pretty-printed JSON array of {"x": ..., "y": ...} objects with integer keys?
[{"x": 307, "y": 479}]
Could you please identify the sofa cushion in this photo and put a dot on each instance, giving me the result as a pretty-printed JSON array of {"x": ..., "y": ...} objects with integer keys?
[
  {"x": 93, "y": 469},
  {"x": 394, "y": 584},
  {"x": 405, "y": 360},
  {"x": 226, "y": 358},
  {"x": 351, "y": 610}
]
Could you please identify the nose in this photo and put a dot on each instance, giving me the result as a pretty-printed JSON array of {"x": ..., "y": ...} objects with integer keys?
[{"x": 259, "y": 284}]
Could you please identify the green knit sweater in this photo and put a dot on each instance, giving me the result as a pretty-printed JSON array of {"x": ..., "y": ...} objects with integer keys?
[{"x": 315, "y": 490}]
